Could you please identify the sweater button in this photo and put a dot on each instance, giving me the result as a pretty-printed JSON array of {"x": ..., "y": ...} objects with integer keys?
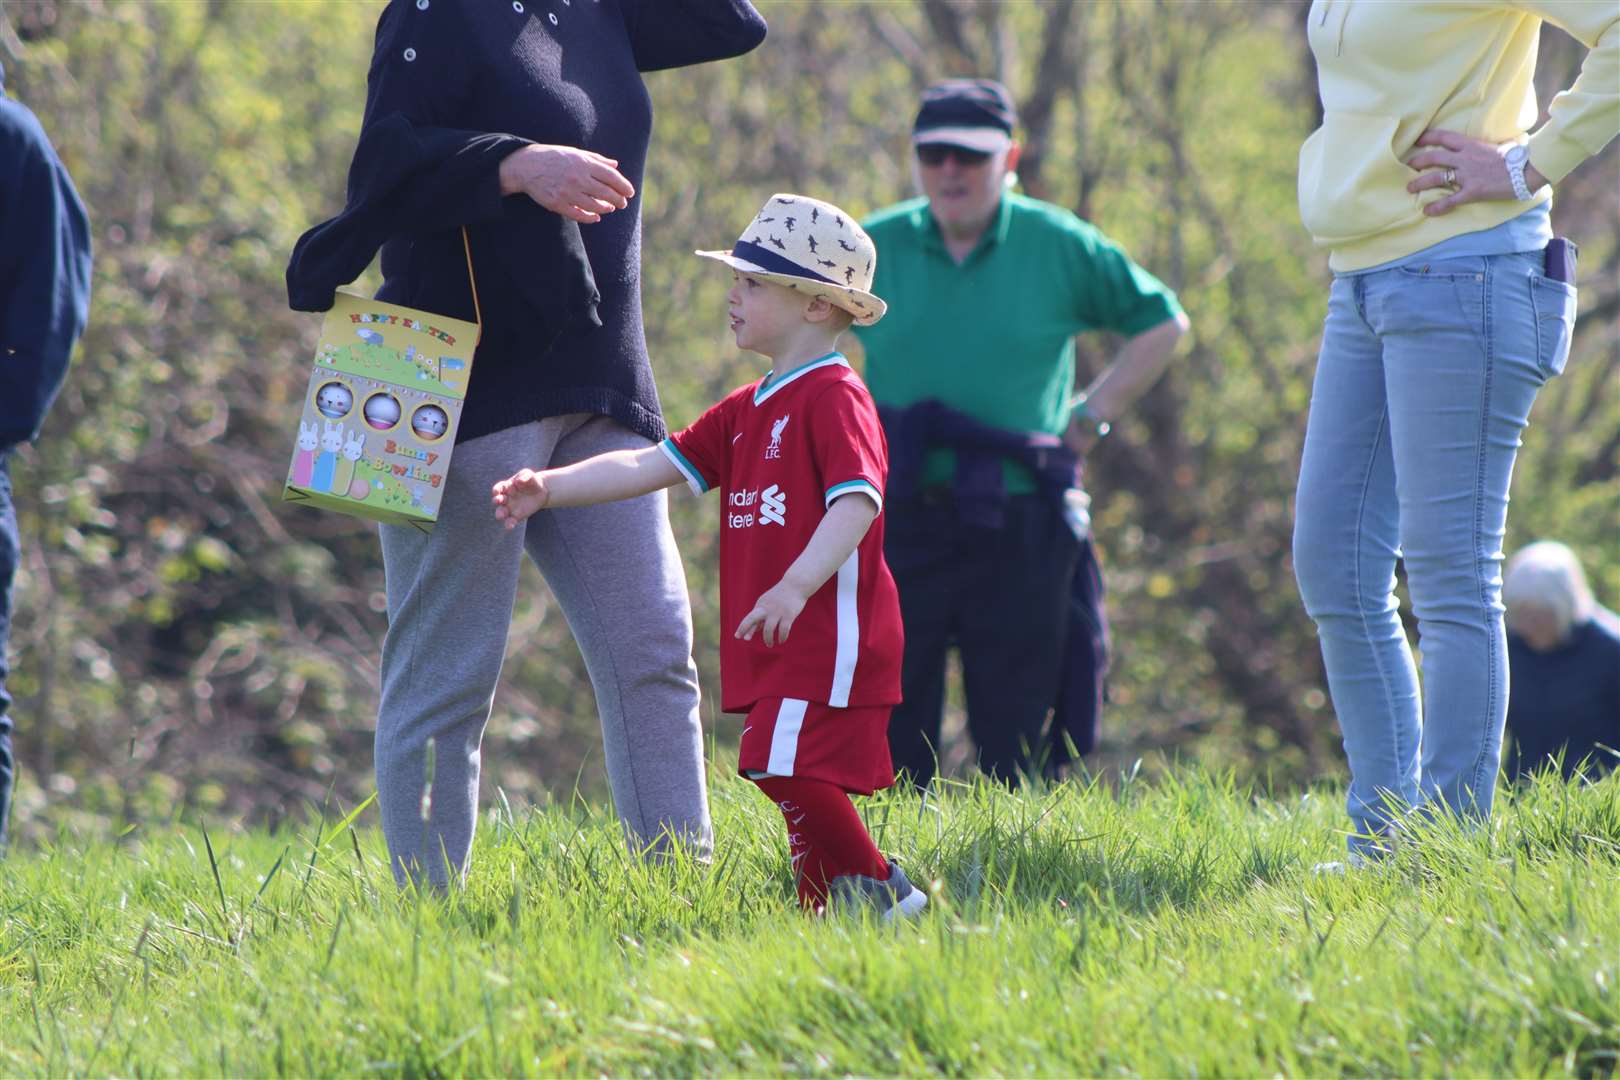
[
  {"x": 553, "y": 17},
  {"x": 421, "y": 5},
  {"x": 517, "y": 6},
  {"x": 410, "y": 54}
]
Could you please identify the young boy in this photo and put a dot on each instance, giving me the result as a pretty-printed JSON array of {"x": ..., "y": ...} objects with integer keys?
[{"x": 800, "y": 461}]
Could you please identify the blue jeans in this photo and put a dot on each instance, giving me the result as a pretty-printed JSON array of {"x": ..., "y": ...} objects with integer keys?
[
  {"x": 8, "y": 570},
  {"x": 1424, "y": 383}
]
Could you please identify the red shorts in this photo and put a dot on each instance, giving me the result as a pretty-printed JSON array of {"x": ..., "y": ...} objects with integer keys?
[{"x": 793, "y": 737}]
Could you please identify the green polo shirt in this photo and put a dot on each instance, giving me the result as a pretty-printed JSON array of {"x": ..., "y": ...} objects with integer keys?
[{"x": 994, "y": 336}]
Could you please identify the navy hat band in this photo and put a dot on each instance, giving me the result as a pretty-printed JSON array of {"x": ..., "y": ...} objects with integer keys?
[
  {"x": 772, "y": 263},
  {"x": 959, "y": 113}
]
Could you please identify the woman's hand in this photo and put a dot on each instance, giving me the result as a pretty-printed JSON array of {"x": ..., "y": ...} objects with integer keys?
[
  {"x": 578, "y": 184},
  {"x": 1477, "y": 168}
]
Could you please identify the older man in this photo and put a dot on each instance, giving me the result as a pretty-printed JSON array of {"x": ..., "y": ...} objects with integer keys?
[
  {"x": 44, "y": 300},
  {"x": 974, "y": 370}
]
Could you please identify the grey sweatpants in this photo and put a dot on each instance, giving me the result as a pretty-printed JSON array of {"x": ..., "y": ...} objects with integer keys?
[{"x": 618, "y": 579}]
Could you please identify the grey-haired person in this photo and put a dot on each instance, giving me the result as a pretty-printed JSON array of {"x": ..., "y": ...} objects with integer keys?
[
  {"x": 1564, "y": 667},
  {"x": 988, "y": 539}
]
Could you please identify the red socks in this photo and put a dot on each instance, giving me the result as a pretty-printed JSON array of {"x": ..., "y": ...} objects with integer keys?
[{"x": 826, "y": 837}]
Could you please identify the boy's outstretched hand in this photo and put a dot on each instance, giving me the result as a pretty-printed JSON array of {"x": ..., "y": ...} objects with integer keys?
[
  {"x": 775, "y": 611},
  {"x": 519, "y": 496}
]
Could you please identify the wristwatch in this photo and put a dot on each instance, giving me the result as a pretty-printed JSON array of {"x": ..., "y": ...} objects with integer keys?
[
  {"x": 1081, "y": 414},
  {"x": 1517, "y": 157}
]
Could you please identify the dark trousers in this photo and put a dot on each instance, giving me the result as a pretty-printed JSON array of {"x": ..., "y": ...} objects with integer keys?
[
  {"x": 8, "y": 570},
  {"x": 1001, "y": 596},
  {"x": 1077, "y": 716}
]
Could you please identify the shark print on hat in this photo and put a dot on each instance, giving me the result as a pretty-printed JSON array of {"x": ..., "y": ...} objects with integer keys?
[{"x": 809, "y": 245}]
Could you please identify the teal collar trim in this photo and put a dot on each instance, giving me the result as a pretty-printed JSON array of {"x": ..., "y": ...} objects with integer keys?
[{"x": 767, "y": 386}]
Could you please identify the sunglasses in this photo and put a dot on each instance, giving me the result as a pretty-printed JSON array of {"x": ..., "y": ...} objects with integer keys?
[{"x": 934, "y": 155}]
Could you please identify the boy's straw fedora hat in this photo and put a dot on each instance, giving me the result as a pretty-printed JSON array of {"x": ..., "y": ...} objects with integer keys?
[{"x": 812, "y": 246}]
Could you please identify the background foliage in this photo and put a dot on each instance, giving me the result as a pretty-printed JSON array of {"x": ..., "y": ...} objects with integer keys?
[{"x": 184, "y": 640}]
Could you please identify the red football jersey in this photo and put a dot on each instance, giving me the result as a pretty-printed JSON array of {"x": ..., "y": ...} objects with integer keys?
[{"x": 781, "y": 450}]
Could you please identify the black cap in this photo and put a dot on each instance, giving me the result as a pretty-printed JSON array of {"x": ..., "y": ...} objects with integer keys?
[{"x": 974, "y": 113}]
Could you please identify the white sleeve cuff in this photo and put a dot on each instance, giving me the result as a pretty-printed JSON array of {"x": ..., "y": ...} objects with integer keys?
[
  {"x": 694, "y": 479},
  {"x": 865, "y": 487}
]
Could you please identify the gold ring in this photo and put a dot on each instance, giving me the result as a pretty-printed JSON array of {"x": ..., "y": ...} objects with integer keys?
[{"x": 1451, "y": 179}]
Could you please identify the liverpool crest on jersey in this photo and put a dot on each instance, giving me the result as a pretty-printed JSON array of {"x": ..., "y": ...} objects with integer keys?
[{"x": 774, "y": 450}]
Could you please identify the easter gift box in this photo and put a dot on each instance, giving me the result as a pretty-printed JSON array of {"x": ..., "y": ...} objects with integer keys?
[{"x": 379, "y": 418}]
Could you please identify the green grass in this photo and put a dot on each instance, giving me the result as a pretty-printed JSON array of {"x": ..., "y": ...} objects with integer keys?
[{"x": 1171, "y": 928}]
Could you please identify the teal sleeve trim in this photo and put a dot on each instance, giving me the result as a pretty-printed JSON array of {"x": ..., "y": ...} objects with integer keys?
[
  {"x": 863, "y": 486},
  {"x": 694, "y": 479}
]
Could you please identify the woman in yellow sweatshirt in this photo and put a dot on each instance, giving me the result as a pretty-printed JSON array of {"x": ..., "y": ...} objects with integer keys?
[{"x": 1443, "y": 321}]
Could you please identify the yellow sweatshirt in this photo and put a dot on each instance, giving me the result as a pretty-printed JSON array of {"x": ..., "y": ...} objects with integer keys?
[{"x": 1388, "y": 71}]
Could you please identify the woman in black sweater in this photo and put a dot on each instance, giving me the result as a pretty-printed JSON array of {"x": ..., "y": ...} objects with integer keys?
[{"x": 527, "y": 123}]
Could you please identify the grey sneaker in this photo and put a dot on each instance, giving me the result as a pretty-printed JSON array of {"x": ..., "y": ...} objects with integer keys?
[{"x": 893, "y": 897}]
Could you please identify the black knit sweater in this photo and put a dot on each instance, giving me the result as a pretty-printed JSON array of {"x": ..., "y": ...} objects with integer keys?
[{"x": 454, "y": 86}]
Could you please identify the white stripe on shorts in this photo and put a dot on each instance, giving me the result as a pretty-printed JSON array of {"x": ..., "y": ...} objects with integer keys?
[{"x": 785, "y": 737}]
